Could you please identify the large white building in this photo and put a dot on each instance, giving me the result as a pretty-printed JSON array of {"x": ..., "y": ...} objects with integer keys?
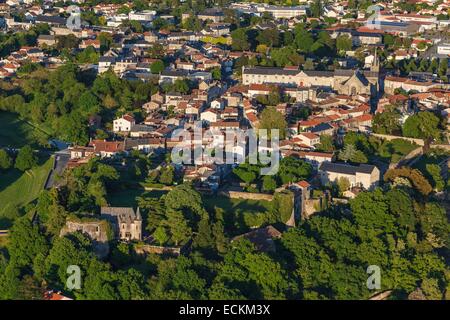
[
  {"x": 123, "y": 124},
  {"x": 142, "y": 16},
  {"x": 284, "y": 12},
  {"x": 363, "y": 175},
  {"x": 443, "y": 49}
]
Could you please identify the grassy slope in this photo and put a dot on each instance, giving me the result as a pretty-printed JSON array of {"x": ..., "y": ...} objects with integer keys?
[
  {"x": 17, "y": 133},
  {"x": 394, "y": 150},
  {"x": 18, "y": 189}
]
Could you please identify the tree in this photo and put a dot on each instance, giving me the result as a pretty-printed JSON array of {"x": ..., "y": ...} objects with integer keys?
[
  {"x": 167, "y": 175},
  {"x": 5, "y": 160},
  {"x": 157, "y": 67},
  {"x": 430, "y": 288},
  {"x": 25, "y": 159},
  {"x": 269, "y": 183},
  {"x": 181, "y": 86},
  {"x": 269, "y": 37},
  {"x": 88, "y": 55},
  {"x": 286, "y": 56},
  {"x": 272, "y": 119},
  {"x": 304, "y": 40},
  {"x": 74, "y": 128},
  {"x": 204, "y": 237},
  {"x": 293, "y": 169},
  {"x": 317, "y": 8},
  {"x": 67, "y": 42},
  {"x": 160, "y": 235},
  {"x": 326, "y": 143},
  {"x": 240, "y": 40},
  {"x": 371, "y": 211},
  {"x": 157, "y": 51},
  {"x": 417, "y": 179},
  {"x": 434, "y": 173},
  {"x": 348, "y": 152},
  {"x": 387, "y": 122},
  {"x": 423, "y": 125},
  {"x": 178, "y": 227},
  {"x": 246, "y": 172},
  {"x": 343, "y": 184},
  {"x": 343, "y": 43},
  {"x": 25, "y": 242},
  {"x": 192, "y": 23},
  {"x": 216, "y": 73},
  {"x": 443, "y": 66}
]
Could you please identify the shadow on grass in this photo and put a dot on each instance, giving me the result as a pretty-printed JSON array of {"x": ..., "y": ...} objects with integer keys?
[{"x": 128, "y": 197}]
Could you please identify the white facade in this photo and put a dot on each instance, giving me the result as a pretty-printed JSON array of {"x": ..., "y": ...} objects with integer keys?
[
  {"x": 143, "y": 16},
  {"x": 444, "y": 49},
  {"x": 122, "y": 125}
]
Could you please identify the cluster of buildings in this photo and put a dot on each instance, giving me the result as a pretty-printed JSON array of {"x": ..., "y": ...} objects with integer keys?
[{"x": 336, "y": 101}]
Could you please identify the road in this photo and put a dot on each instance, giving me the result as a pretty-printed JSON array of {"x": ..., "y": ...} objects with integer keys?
[{"x": 61, "y": 159}]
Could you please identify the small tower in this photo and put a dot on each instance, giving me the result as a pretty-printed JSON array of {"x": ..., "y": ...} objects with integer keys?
[
  {"x": 138, "y": 225},
  {"x": 375, "y": 67}
]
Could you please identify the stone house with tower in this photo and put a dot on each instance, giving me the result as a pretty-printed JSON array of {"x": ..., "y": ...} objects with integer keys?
[{"x": 126, "y": 223}]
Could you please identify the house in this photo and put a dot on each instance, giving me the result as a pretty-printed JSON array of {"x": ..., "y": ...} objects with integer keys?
[
  {"x": 308, "y": 138},
  {"x": 262, "y": 238},
  {"x": 323, "y": 128},
  {"x": 210, "y": 115},
  {"x": 141, "y": 130},
  {"x": 146, "y": 145},
  {"x": 105, "y": 63},
  {"x": 127, "y": 223},
  {"x": 52, "y": 295},
  {"x": 48, "y": 40},
  {"x": 89, "y": 42},
  {"x": 392, "y": 83},
  {"x": 363, "y": 175},
  {"x": 218, "y": 104},
  {"x": 107, "y": 148},
  {"x": 124, "y": 123},
  {"x": 169, "y": 76},
  {"x": 80, "y": 152},
  {"x": 256, "y": 89}
]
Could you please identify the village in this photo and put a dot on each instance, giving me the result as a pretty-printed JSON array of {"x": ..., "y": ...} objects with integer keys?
[{"x": 361, "y": 102}]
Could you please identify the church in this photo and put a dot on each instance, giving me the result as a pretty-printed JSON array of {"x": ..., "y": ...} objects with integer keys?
[{"x": 343, "y": 81}]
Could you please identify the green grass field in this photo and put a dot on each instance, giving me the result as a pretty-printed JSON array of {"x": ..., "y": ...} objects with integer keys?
[
  {"x": 127, "y": 198},
  {"x": 18, "y": 189},
  {"x": 394, "y": 150},
  {"x": 234, "y": 210},
  {"x": 235, "y": 205},
  {"x": 17, "y": 133}
]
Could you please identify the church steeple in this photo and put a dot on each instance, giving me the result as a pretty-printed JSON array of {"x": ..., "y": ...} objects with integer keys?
[{"x": 375, "y": 67}]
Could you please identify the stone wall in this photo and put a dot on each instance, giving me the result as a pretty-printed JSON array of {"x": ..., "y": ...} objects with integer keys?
[
  {"x": 408, "y": 159},
  {"x": 388, "y": 137},
  {"x": 246, "y": 195},
  {"x": 311, "y": 207},
  {"x": 147, "y": 248},
  {"x": 96, "y": 230}
]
